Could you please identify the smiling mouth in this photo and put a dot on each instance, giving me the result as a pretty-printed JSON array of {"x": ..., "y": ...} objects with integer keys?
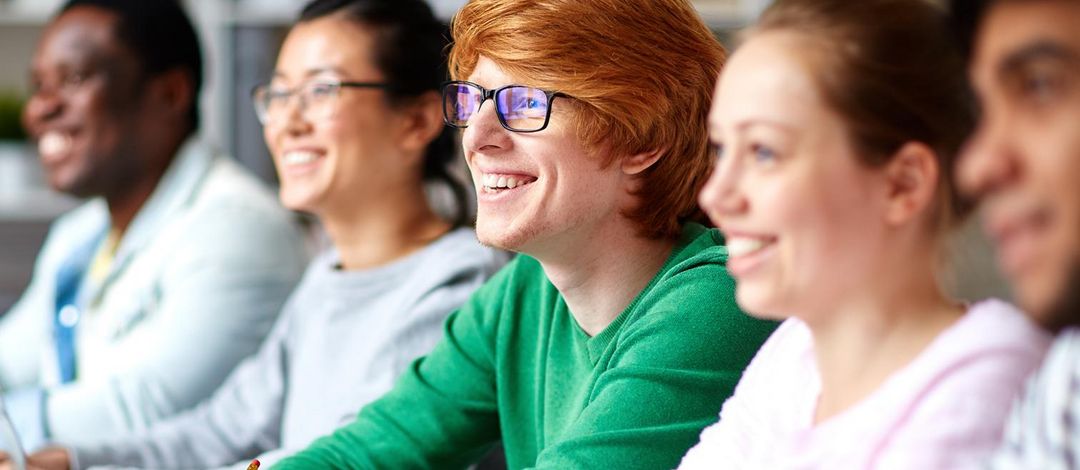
[
  {"x": 746, "y": 246},
  {"x": 53, "y": 144},
  {"x": 495, "y": 183},
  {"x": 294, "y": 158}
]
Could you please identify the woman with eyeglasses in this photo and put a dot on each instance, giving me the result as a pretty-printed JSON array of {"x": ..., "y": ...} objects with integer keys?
[
  {"x": 837, "y": 124},
  {"x": 355, "y": 129},
  {"x": 602, "y": 344}
]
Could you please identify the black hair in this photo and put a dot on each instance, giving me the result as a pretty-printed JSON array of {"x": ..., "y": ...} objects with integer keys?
[
  {"x": 964, "y": 19},
  {"x": 410, "y": 51},
  {"x": 162, "y": 37}
]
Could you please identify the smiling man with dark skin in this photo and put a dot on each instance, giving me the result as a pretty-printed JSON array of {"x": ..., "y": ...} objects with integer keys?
[
  {"x": 1022, "y": 163},
  {"x": 144, "y": 298},
  {"x": 88, "y": 142}
]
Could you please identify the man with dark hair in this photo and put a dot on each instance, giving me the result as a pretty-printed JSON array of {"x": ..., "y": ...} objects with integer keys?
[
  {"x": 1022, "y": 164},
  {"x": 143, "y": 299}
]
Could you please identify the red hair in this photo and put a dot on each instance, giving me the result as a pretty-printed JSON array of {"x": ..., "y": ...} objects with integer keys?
[{"x": 643, "y": 73}]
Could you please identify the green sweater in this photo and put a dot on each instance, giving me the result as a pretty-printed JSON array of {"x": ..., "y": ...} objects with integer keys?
[{"x": 514, "y": 365}]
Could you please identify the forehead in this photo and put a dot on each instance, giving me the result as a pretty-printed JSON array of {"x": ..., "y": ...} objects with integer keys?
[
  {"x": 80, "y": 32},
  {"x": 489, "y": 74},
  {"x": 316, "y": 46},
  {"x": 1011, "y": 26},
  {"x": 766, "y": 79}
]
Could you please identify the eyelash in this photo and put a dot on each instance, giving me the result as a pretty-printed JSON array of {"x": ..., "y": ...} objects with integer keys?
[
  {"x": 762, "y": 153},
  {"x": 718, "y": 151}
]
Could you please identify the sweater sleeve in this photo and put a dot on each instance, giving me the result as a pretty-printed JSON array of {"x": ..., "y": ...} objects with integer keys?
[
  {"x": 242, "y": 418},
  {"x": 441, "y": 413},
  {"x": 674, "y": 368}
]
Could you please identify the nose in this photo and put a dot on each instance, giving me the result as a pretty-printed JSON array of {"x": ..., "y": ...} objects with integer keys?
[
  {"x": 484, "y": 133},
  {"x": 989, "y": 161},
  {"x": 292, "y": 118},
  {"x": 290, "y": 123},
  {"x": 722, "y": 196},
  {"x": 42, "y": 107}
]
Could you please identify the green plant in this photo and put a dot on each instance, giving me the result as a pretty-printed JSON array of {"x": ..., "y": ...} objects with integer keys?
[{"x": 11, "y": 105}]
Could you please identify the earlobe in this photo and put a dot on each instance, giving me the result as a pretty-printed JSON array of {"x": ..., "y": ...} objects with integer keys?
[
  {"x": 636, "y": 164},
  {"x": 176, "y": 91},
  {"x": 912, "y": 177},
  {"x": 423, "y": 122}
]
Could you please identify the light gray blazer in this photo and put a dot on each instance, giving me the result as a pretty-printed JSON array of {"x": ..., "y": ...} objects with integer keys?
[{"x": 198, "y": 279}]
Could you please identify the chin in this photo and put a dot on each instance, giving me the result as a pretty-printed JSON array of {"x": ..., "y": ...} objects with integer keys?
[
  {"x": 502, "y": 239},
  {"x": 297, "y": 201},
  {"x": 1054, "y": 305},
  {"x": 757, "y": 302}
]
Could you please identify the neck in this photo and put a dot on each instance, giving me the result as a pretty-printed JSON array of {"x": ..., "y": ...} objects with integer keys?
[
  {"x": 864, "y": 339},
  {"x": 603, "y": 270},
  {"x": 384, "y": 229},
  {"x": 126, "y": 200}
]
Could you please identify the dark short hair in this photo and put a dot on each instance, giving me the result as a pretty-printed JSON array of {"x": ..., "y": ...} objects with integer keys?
[
  {"x": 410, "y": 51},
  {"x": 161, "y": 36},
  {"x": 964, "y": 19}
]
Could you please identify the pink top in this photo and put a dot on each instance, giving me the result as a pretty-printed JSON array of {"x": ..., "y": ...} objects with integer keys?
[{"x": 944, "y": 410}]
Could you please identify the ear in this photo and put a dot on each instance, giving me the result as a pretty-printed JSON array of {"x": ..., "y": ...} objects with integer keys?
[
  {"x": 912, "y": 178},
  {"x": 174, "y": 93},
  {"x": 636, "y": 164},
  {"x": 421, "y": 122}
]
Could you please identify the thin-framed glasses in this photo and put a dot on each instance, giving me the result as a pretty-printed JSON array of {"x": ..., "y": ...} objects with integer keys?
[
  {"x": 318, "y": 99},
  {"x": 520, "y": 108}
]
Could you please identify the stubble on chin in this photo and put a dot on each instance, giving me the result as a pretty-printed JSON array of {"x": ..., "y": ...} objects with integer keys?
[{"x": 1064, "y": 311}]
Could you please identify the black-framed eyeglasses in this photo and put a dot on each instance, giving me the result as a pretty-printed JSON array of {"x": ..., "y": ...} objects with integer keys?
[
  {"x": 520, "y": 108},
  {"x": 318, "y": 99}
]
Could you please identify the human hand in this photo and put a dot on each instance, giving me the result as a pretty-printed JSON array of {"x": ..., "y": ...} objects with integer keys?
[{"x": 50, "y": 458}]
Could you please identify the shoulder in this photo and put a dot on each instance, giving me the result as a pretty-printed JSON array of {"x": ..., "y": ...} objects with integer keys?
[
  {"x": 785, "y": 364},
  {"x": 1051, "y": 394},
  {"x": 1039, "y": 433},
  {"x": 227, "y": 186},
  {"x": 695, "y": 290},
  {"x": 992, "y": 344},
  {"x": 234, "y": 214},
  {"x": 459, "y": 251},
  {"x": 970, "y": 377},
  {"x": 995, "y": 333},
  {"x": 696, "y": 273},
  {"x": 76, "y": 226}
]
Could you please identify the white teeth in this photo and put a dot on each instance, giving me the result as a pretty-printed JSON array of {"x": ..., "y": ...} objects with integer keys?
[
  {"x": 493, "y": 181},
  {"x": 299, "y": 157},
  {"x": 53, "y": 142},
  {"x": 742, "y": 246}
]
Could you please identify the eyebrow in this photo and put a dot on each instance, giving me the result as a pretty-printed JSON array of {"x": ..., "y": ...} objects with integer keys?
[
  {"x": 743, "y": 125},
  {"x": 313, "y": 72},
  {"x": 1042, "y": 49}
]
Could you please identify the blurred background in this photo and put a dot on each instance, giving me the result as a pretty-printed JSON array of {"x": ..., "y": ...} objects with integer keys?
[{"x": 240, "y": 39}]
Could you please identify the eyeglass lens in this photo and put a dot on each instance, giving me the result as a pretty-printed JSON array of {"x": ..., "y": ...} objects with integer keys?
[
  {"x": 316, "y": 101},
  {"x": 520, "y": 108}
]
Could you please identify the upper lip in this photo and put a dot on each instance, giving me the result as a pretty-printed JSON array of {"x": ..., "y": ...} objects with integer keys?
[
  {"x": 504, "y": 171},
  {"x": 733, "y": 232},
  {"x": 302, "y": 149},
  {"x": 1001, "y": 224},
  {"x": 37, "y": 132}
]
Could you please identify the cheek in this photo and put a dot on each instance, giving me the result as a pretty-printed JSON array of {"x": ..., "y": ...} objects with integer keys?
[
  {"x": 821, "y": 225},
  {"x": 272, "y": 137}
]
